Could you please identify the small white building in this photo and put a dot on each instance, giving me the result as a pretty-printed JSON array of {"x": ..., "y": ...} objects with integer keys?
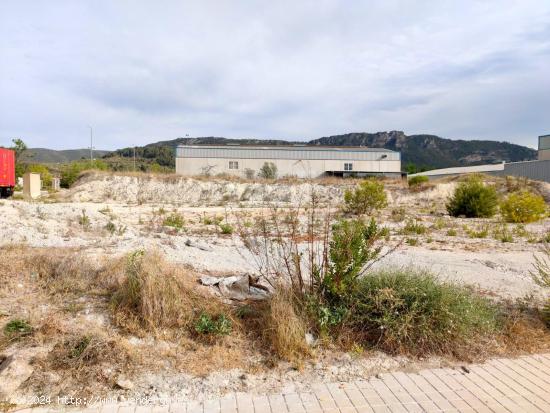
[{"x": 301, "y": 161}]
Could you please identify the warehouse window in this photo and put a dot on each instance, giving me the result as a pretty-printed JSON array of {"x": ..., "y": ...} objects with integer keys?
[
  {"x": 348, "y": 167},
  {"x": 233, "y": 165}
]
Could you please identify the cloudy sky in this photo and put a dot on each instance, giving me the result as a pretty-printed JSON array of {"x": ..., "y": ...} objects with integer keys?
[{"x": 143, "y": 71}]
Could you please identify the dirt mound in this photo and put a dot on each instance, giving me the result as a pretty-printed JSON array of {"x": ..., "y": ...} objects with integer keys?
[{"x": 144, "y": 189}]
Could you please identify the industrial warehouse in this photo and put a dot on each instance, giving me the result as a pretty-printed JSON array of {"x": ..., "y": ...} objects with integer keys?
[
  {"x": 299, "y": 161},
  {"x": 537, "y": 169}
]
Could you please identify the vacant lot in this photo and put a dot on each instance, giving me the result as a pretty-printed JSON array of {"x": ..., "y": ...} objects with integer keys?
[{"x": 69, "y": 258}]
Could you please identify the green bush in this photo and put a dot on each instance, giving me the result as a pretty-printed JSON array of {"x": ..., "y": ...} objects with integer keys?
[
  {"x": 472, "y": 198},
  {"x": 84, "y": 220},
  {"x": 110, "y": 227},
  {"x": 45, "y": 175},
  {"x": 413, "y": 242},
  {"x": 523, "y": 206},
  {"x": 70, "y": 172},
  {"x": 410, "y": 311},
  {"x": 414, "y": 227},
  {"x": 208, "y": 325},
  {"x": 174, "y": 220},
  {"x": 482, "y": 232},
  {"x": 268, "y": 171},
  {"x": 226, "y": 228},
  {"x": 18, "y": 327},
  {"x": 451, "y": 232},
  {"x": 503, "y": 234},
  {"x": 541, "y": 276},
  {"x": 351, "y": 248},
  {"x": 367, "y": 197},
  {"x": 418, "y": 180}
]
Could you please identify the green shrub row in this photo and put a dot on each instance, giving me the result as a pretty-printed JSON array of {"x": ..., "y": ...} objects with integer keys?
[{"x": 474, "y": 199}]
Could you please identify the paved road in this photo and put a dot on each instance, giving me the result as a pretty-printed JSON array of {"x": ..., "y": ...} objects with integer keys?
[{"x": 501, "y": 385}]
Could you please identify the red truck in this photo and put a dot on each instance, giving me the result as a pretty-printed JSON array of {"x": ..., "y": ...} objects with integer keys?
[{"x": 7, "y": 172}]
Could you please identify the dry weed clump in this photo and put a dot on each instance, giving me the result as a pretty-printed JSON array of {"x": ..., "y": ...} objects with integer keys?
[
  {"x": 143, "y": 294},
  {"x": 285, "y": 328},
  {"x": 156, "y": 295},
  {"x": 523, "y": 329},
  {"x": 92, "y": 175},
  {"x": 420, "y": 183},
  {"x": 84, "y": 358},
  {"x": 57, "y": 271},
  {"x": 201, "y": 358},
  {"x": 65, "y": 271}
]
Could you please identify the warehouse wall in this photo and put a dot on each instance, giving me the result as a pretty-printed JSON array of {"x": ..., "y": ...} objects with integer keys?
[
  {"x": 537, "y": 170},
  {"x": 291, "y": 153},
  {"x": 544, "y": 148},
  {"x": 285, "y": 167}
]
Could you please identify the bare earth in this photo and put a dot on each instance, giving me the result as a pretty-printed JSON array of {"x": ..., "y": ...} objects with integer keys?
[
  {"x": 137, "y": 206},
  {"x": 501, "y": 268}
]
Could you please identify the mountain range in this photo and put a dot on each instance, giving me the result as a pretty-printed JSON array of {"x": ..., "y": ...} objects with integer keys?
[{"x": 424, "y": 151}]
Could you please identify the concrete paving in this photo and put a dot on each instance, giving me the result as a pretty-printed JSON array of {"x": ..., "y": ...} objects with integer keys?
[{"x": 500, "y": 385}]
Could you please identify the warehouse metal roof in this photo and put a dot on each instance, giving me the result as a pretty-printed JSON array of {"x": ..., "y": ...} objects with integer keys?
[
  {"x": 291, "y": 147},
  {"x": 309, "y": 152}
]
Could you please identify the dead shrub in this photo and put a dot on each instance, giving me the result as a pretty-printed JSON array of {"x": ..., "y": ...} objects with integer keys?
[
  {"x": 87, "y": 358},
  {"x": 284, "y": 327},
  {"x": 523, "y": 329},
  {"x": 202, "y": 359},
  {"x": 50, "y": 328}
]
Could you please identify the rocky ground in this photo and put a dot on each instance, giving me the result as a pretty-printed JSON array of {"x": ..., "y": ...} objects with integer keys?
[
  {"x": 107, "y": 215},
  {"x": 124, "y": 213}
]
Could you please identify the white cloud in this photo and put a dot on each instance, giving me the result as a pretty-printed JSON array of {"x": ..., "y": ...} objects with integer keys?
[{"x": 141, "y": 71}]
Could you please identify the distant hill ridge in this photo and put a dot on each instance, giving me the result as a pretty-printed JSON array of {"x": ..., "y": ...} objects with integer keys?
[
  {"x": 43, "y": 155},
  {"x": 434, "y": 151},
  {"x": 430, "y": 151}
]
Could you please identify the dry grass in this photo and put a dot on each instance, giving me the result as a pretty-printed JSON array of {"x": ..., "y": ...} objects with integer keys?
[
  {"x": 144, "y": 295},
  {"x": 57, "y": 271},
  {"x": 83, "y": 359},
  {"x": 156, "y": 295},
  {"x": 232, "y": 352},
  {"x": 284, "y": 327},
  {"x": 523, "y": 330},
  {"x": 66, "y": 272},
  {"x": 91, "y": 175}
]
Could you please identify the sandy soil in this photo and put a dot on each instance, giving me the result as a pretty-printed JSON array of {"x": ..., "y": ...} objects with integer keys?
[{"x": 501, "y": 268}]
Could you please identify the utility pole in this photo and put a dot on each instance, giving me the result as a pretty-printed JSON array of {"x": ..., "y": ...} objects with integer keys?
[
  {"x": 91, "y": 146},
  {"x": 134, "y": 158}
]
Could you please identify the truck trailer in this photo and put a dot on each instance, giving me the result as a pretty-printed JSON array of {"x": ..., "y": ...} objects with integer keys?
[{"x": 7, "y": 172}]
